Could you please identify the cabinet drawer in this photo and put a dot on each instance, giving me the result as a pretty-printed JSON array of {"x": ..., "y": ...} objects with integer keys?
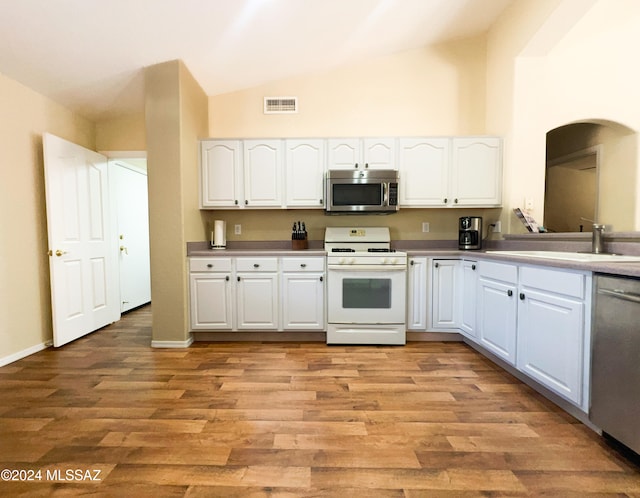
[
  {"x": 498, "y": 271},
  {"x": 257, "y": 264},
  {"x": 302, "y": 264},
  {"x": 556, "y": 281},
  {"x": 210, "y": 264}
]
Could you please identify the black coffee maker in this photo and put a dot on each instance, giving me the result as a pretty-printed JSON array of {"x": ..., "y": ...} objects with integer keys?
[{"x": 470, "y": 232}]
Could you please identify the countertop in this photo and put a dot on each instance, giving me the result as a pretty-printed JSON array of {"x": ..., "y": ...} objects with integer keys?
[
  {"x": 232, "y": 253},
  {"x": 624, "y": 269},
  {"x": 270, "y": 249}
]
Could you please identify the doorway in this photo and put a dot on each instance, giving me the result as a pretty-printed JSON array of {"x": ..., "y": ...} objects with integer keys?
[{"x": 129, "y": 190}]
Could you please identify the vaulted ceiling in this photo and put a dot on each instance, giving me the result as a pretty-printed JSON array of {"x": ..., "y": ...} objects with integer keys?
[{"x": 89, "y": 54}]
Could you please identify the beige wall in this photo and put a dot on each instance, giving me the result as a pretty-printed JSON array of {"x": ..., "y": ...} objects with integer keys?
[
  {"x": 122, "y": 133},
  {"x": 176, "y": 116},
  {"x": 431, "y": 91},
  {"x": 25, "y": 299},
  {"x": 580, "y": 73}
]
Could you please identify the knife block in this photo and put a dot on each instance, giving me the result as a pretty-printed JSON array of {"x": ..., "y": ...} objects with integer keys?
[{"x": 298, "y": 245}]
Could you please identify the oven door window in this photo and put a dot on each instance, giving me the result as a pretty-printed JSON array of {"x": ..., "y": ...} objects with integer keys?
[
  {"x": 366, "y": 293},
  {"x": 357, "y": 194}
]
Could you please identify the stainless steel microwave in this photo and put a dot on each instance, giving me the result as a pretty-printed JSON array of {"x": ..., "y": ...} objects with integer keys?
[{"x": 361, "y": 191}]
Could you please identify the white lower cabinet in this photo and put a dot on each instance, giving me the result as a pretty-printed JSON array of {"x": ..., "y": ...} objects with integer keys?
[
  {"x": 445, "y": 288},
  {"x": 551, "y": 329},
  {"x": 417, "y": 294},
  {"x": 469, "y": 294},
  {"x": 210, "y": 288},
  {"x": 497, "y": 309},
  {"x": 303, "y": 288},
  {"x": 537, "y": 319},
  {"x": 257, "y": 293}
]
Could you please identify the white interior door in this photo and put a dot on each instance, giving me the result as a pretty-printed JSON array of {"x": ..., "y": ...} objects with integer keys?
[
  {"x": 84, "y": 277},
  {"x": 132, "y": 207}
]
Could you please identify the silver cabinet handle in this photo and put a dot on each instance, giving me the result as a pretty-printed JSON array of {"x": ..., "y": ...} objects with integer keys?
[{"x": 509, "y": 293}]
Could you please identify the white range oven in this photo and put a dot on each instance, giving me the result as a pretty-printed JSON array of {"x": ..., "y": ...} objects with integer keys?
[{"x": 366, "y": 287}]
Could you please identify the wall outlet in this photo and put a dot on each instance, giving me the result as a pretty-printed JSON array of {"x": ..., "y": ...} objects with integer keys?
[
  {"x": 425, "y": 226},
  {"x": 497, "y": 227},
  {"x": 528, "y": 203},
  {"x": 237, "y": 229}
]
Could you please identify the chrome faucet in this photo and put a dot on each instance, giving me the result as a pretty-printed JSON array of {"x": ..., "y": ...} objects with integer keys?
[{"x": 597, "y": 244}]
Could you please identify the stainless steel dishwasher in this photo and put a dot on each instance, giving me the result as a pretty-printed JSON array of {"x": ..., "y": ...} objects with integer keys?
[{"x": 615, "y": 360}]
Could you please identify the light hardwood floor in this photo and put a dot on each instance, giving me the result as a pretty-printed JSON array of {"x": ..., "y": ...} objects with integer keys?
[{"x": 288, "y": 419}]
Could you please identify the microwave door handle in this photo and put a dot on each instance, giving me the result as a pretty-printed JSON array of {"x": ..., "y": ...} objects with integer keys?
[{"x": 385, "y": 200}]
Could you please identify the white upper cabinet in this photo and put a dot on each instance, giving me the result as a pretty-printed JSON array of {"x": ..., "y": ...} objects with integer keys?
[
  {"x": 379, "y": 153},
  {"x": 263, "y": 161},
  {"x": 344, "y": 153},
  {"x": 289, "y": 173},
  {"x": 221, "y": 174},
  {"x": 476, "y": 174},
  {"x": 423, "y": 164},
  {"x": 356, "y": 153},
  {"x": 450, "y": 172},
  {"x": 305, "y": 160}
]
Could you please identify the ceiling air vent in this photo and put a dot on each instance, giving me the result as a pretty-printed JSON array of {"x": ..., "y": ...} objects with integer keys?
[{"x": 280, "y": 105}]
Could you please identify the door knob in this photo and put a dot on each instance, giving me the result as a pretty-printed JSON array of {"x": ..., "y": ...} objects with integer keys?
[
  {"x": 124, "y": 250},
  {"x": 57, "y": 253}
]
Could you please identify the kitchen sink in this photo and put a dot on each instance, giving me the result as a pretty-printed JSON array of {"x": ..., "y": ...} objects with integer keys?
[{"x": 582, "y": 257}]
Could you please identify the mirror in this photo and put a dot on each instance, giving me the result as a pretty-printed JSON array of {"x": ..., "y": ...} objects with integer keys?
[{"x": 590, "y": 176}]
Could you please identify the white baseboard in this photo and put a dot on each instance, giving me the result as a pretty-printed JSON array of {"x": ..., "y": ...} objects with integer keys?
[
  {"x": 172, "y": 344},
  {"x": 24, "y": 353}
]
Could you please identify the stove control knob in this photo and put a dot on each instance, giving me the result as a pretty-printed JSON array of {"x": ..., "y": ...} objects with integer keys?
[
  {"x": 394, "y": 261},
  {"x": 352, "y": 261},
  {"x": 340, "y": 261}
]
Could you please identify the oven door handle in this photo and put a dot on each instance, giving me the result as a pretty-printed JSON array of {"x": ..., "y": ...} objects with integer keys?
[{"x": 359, "y": 268}]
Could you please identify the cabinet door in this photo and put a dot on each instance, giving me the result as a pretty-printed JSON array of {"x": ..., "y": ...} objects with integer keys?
[
  {"x": 550, "y": 341},
  {"x": 221, "y": 174},
  {"x": 379, "y": 153},
  {"x": 424, "y": 171},
  {"x": 305, "y": 173},
  {"x": 417, "y": 294},
  {"x": 445, "y": 297},
  {"x": 497, "y": 307},
  {"x": 210, "y": 301},
  {"x": 469, "y": 297},
  {"x": 303, "y": 301},
  {"x": 344, "y": 153},
  {"x": 263, "y": 173},
  {"x": 476, "y": 173},
  {"x": 257, "y": 301}
]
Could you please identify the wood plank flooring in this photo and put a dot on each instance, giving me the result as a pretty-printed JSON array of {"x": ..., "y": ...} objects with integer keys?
[{"x": 291, "y": 420}]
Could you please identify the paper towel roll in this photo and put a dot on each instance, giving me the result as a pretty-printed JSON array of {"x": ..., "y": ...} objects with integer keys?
[{"x": 219, "y": 238}]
